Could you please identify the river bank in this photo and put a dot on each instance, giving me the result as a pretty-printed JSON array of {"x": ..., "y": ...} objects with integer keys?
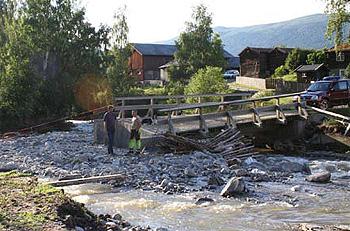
[{"x": 273, "y": 182}]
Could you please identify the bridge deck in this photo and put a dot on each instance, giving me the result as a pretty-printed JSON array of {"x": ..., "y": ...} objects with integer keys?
[{"x": 190, "y": 123}]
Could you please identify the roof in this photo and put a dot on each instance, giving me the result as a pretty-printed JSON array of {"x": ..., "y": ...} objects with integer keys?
[
  {"x": 260, "y": 50},
  {"x": 162, "y": 49},
  {"x": 341, "y": 47},
  {"x": 306, "y": 68},
  {"x": 155, "y": 49}
]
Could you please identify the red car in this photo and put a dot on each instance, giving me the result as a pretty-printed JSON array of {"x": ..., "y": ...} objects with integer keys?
[{"x": 329, "y": 92}]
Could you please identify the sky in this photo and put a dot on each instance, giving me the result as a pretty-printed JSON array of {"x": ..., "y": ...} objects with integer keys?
[{"x": 158, "y": 20}]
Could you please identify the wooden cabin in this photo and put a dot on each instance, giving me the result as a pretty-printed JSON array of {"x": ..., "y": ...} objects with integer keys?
[
  {"x": 262, "y": 62},
  {"x": 314, "y": 72},
  {"x": 148, "y": 61},
  {"x": 338, "y": 59}
]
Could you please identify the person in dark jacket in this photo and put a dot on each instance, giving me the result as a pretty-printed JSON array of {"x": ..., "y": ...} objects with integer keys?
[{"x": 110, "y": 119}]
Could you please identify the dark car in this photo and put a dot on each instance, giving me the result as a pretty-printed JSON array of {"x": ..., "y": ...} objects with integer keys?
[{"x": 329, "y": 92}]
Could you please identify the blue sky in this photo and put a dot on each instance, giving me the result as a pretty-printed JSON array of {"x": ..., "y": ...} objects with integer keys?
[{"x": 157, "y": 20}]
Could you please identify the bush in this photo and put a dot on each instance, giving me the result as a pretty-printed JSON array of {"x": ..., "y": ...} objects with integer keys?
[
  {"x": 208, "y": 80},
  {"x": 280, "y": 71}
]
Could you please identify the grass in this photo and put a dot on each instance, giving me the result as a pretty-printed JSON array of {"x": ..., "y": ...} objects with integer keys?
[
  {"x": 238, "y": 87},
  {"x": 25, "y": 204},
  {"x": 289, "y": 77}
]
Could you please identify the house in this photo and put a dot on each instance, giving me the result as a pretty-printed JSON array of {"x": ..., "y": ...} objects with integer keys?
[
  {"x": 148, "y": 61},
  {"x": 262, "y": 62},
  {"x": 338, "y": 59},
  {"x": 308, "y": 73}
]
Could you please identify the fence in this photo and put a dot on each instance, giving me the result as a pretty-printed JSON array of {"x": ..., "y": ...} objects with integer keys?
[{"x": 281, "y": 86}]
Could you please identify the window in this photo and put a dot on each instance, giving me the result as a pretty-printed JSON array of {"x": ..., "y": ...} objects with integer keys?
[
  {"x": 340, "y": 57},
  {"x": 342, "y": 72},
  {"x": 341, "y": 86}
]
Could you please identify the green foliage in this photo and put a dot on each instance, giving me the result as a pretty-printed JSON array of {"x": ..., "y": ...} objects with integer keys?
[
  {"x": 46, "y": 46},
  {"x": 175, "y": 88},
  {"x": 122, "y": 83},
  {"x": 347, "y": 71},
  {"x": 296, "y": 58},
  {"x": 280, "y": 71},
  {"x": 316, "y": 57},
  {"x": 197, "y": 47},
  {"x": 338, "y": 11},
  {"x": 206, "y": 81},
  {"x": 290, "y": 77},
  {"x": 154, "y": 90}
]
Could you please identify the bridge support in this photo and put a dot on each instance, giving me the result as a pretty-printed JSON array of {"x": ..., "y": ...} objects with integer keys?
[
  {"x": 281, "y": 117},
  {"x": 230, "y": 120},
  {"x": 301, "y": 109},
  {"x": 202, "y": 124},
  {"x": 256, "y": 117},
  {"x": 171, "y": 125}
]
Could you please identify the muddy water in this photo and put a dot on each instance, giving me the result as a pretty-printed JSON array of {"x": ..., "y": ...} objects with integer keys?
[{"x": 275, "y": 207}]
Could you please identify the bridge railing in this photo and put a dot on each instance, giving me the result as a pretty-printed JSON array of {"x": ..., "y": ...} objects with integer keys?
[
  {"x": 124, "y": 104},
  {"x": 255, "y": 111}
]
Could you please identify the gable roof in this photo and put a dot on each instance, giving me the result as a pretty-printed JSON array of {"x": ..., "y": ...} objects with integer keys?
[
  {"x": 307, "y": 68},
  {"x": 341, "y": 47},
  {"x": 155, "y": 49},
  {"x": 260, "y": 50},
  {"x": 162, "y": 49}
]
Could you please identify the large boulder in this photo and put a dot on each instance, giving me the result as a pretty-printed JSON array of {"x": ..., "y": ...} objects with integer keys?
[
  {"x": 234, "y": 186},
  {"x": 321, "y": 177}
]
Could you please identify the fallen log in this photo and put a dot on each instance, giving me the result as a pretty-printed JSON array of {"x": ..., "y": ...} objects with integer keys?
[{"x": 94, "y": 179}]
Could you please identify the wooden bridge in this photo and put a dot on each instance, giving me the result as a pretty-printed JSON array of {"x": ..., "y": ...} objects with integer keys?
[{"x": 176, "y": 116}]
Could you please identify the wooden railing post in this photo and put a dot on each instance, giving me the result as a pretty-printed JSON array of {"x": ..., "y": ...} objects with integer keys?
[
  {"x": 222, "y": 107},
  {"x": 170, "y": 124},
  {"x": 281, "y": 117},
  {"x": 301, "y": 110},
  {"x": 202, "y": 124},
  {"x": 150, "y": 112},
  {"x": 256, "y": 117}
]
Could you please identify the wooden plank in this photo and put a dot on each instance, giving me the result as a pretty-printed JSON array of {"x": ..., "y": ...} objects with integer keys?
[
  {"x": 182, "y": 96},
  {"x": 235, "y": 102},
  {"x": 94, "y": 179}
]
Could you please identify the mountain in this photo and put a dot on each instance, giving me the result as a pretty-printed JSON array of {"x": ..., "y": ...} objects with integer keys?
[{"x": 304, "y": 32}]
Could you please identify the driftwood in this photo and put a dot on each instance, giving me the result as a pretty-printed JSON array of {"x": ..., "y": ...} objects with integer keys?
[
  {"x": 94, "y": 179},
  {"x": 229, "y": 143}
]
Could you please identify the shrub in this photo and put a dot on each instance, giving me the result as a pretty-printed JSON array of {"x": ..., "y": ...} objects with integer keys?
[
  {"x": 280, "y": 71},
  {"x": 208, "y": 80}
]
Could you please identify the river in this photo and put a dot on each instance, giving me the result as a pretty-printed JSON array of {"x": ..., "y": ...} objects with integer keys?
[{"x": 273, "y": 206}]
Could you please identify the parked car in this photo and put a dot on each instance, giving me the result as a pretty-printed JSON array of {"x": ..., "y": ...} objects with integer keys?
[
  {"x": 231, "y": 74},
  {"x": 328, "y": 92}
]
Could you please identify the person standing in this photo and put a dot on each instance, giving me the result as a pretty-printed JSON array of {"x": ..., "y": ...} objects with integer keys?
[
  {"x": 135, "y": 136},
  {"x": 109, "y": 119}
]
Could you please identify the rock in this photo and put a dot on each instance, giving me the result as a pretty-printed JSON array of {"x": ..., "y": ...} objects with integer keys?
[
  {"x": 77, "y": 228},
  {"x": 164, "y": 183},
  {"x": 111, "y": 225},
  {"x": 215, "y": 180},
  {"x": 189, "y": 172},
  {"x": 234, "y": 161},
  {"x": 240, "y": 172},
  {"x": 8, "y": 167},
  {"x": 161, "y": 229},
  {"x": 204, "y": 200},
  {"x": 233, "y": 187},
  {"x": 296, "y": 188},
  {"x": 322, "y": 177}
]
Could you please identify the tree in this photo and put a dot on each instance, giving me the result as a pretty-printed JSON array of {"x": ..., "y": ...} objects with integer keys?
[
  {"x": 197, "y": 47},
  {"x": 118, "y": 71},
  {"x": 280, "y": 71},
  {"x": 46, "y": 46},
  {"x": 338, "y": 11},
  {"x": 205, "y": 81},
  {"x": 316, "y": 57},
  {"x": 296, "y": 58}
]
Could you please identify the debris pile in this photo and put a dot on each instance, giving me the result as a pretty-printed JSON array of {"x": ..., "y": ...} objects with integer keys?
[{"x": 229, "y": 143}]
